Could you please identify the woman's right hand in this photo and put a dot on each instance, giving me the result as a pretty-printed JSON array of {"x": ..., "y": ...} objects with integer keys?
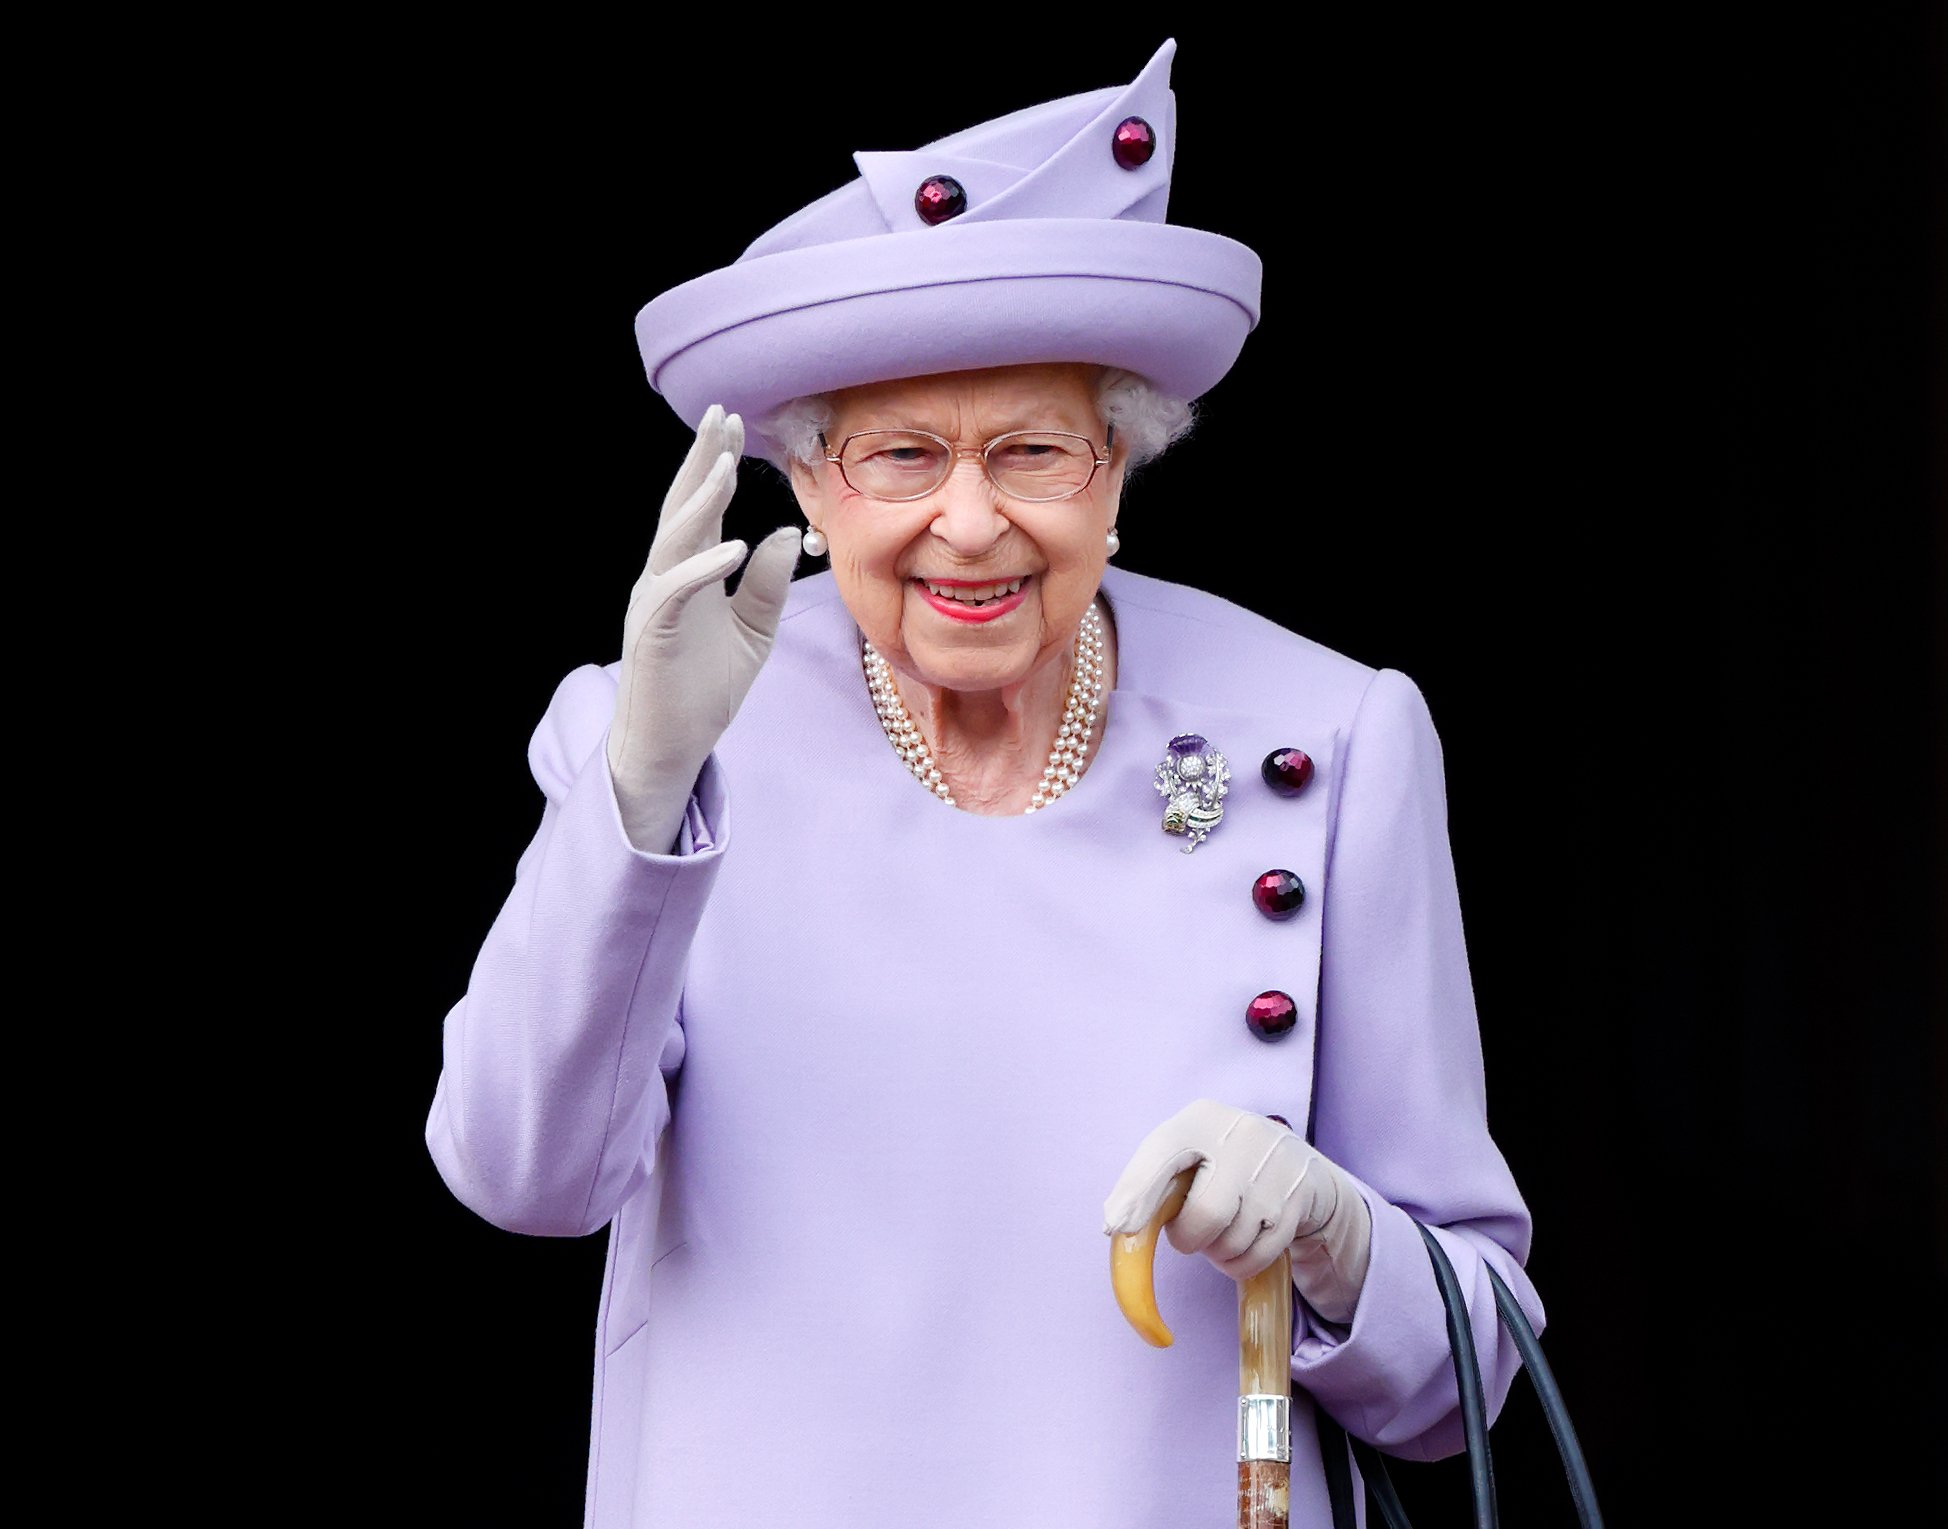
[{"x": 690, "y": 650}]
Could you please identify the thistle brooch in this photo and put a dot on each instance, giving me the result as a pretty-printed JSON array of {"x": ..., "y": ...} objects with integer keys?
[{"x": 1191, "y": 780}]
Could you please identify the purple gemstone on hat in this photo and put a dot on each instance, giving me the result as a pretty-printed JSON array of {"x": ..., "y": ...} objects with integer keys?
[
  {"x": 1271, "y": 1015},
  {"x": 1286, "y": 771},
  {"x": 939, "y": 198},
  {"x": 1184, "y": 745},
  {"x": 1134, "y": 143}
]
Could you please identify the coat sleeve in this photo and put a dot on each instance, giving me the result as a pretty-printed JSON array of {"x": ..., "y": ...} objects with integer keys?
[
  {"x": 1400, "y": 1100},
  {"x": 554, "y": 1084}
]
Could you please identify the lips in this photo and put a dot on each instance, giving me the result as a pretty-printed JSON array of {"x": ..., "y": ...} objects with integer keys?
[{"x": 965, "y": 608}]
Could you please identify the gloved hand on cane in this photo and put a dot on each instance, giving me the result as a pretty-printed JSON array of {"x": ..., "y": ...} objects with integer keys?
[
  {"x": 689, "y": 649},
  {"x": 1260, "y": 1191}
]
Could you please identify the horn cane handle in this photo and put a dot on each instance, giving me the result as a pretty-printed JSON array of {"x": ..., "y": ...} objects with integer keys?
[{"x": 1133, "y": 1266}]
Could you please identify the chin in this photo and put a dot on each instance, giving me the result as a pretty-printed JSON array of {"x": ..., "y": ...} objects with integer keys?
[{"x": 974, "y": 671}]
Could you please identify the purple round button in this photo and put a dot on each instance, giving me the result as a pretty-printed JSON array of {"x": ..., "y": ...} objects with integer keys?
[
  {"x": 1272, "y": 1015},
  {"x": 1278, "y": 894},
  {"x": 1287, "y": 771},
  {"x": 939, "y": 198},
  {"x": 1134, "y": 143}
]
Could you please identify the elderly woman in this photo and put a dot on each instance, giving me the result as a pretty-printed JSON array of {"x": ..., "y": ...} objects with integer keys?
[{"x": 892, "y": 934}]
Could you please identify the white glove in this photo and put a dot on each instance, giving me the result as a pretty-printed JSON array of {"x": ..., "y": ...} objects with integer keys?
[
  {"x": 1262, "y": 1191},
  {"x": 689, "y": 650}
]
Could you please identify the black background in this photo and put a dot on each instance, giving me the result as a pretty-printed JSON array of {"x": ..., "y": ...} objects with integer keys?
[{"x": 1597, "y": 389}]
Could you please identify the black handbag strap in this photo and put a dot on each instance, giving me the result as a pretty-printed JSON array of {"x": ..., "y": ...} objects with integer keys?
[
  {"x": 1334, "y": 1443},
  {"x": 1339, "y": 1473},
  {"x": 1467, "y": 1378},
  {"x": 1581, "y": 1489},
  {"x": 1373, "y": 1468}
]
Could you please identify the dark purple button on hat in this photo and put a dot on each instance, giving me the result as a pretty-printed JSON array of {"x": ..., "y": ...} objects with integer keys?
[
  {"x": 1134, "y": 143},
  {"x": 939, "y": 198},
  {"x": 1287, "y": 771},
  {"x": 1271, "y": 1015}
]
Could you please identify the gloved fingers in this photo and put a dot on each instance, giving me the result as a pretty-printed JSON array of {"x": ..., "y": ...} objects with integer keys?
[
  {"x": 1255, "y": 1217},
  {"x": 697, "y": 522},
  {"x": 760, "y": 597},
  {"x": 704, "y": 450},
  {"x": 1234, "y": 1141},
  {"x": 1190, "y": 1135},
  {"x": 661, "y": 612},
  {"x": 1269, "y": 1216},
  {"x": 1145, "y": 1182},
  {"x": 1311, "y": 1193},
  {"x": 1214, "y": 1204},
  {"x": 1257, "y": 1170},
  {"x": 650, "y": 631},
  {"x": 1261, "y": 1253}
]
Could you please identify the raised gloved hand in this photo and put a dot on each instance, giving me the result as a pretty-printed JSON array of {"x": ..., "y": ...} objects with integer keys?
[
  {"x": 1260, "y": 1192},
  {"x": 690, "y": 650}
]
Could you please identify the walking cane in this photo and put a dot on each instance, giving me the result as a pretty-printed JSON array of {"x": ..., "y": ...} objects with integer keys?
[{"x": 1264, "y": 1358}]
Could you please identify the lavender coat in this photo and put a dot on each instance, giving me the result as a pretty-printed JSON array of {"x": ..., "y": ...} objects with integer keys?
[{"x": 848, "y": 1076}]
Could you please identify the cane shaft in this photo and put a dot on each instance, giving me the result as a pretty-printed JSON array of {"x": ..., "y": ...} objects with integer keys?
[
  {"x": 1265, "y": 1331},
  {"x": 1264, "y": 1494},
  {"x": 1264, "y": 1397}
]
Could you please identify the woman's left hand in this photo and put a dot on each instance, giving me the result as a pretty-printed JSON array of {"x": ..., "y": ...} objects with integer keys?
[{"x": 1260, "y": 1191}]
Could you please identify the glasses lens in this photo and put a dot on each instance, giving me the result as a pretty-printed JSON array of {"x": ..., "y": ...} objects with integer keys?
[
  {"x": 1041, "y": 465},
  {"x": 894, "y": 464}
]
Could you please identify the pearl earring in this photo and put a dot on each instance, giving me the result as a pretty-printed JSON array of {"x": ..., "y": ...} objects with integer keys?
[
  {"x": 814, "y": 540},
  {"x": 1115, "y": 543}
]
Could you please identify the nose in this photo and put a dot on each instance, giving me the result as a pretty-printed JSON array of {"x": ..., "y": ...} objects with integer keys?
[{"x": 968, "y": 508}]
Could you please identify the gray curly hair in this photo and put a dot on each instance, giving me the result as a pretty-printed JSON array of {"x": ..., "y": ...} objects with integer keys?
[{"x": 1147, "y": 419}]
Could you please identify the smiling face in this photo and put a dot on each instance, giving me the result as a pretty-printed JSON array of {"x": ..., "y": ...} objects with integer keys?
[{"x": 967, "y": 532}]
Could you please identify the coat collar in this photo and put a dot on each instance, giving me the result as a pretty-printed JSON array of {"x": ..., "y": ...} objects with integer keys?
[
  {"x": 1187, "y": 662},
  {"x": 1147, "y": 662}
]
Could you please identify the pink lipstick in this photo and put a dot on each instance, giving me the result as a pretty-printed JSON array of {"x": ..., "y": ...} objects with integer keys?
[{"x": 959, "y": 610}]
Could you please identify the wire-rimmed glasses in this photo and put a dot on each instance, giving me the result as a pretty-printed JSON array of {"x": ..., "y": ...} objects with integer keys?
[{"x": 1036, "y": 466}]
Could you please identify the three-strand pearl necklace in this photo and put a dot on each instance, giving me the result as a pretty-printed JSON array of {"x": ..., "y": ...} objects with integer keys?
[{"x": 1065, "y": 760}]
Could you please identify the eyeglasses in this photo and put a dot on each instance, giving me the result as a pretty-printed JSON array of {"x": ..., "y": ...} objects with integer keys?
[{"x": 1038, "y": 466}]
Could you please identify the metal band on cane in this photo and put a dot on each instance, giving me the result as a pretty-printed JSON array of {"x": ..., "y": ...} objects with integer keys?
[{"x": 1265, "y": 1427}]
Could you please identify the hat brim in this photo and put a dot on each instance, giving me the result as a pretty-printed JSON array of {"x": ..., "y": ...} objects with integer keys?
[{"x": 1169, "y": 302}]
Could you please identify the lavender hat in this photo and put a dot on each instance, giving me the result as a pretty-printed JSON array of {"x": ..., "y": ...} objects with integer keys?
[{"x": 1038, "y": 236}]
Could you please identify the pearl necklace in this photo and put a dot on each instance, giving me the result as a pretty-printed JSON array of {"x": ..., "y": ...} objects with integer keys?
[{"x": 1065, "y": 760}]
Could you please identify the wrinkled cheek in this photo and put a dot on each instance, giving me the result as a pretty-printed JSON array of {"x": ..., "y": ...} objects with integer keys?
[
  {"x": 1062, "y": 608},
  {"x": 877, "y": 601}
]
